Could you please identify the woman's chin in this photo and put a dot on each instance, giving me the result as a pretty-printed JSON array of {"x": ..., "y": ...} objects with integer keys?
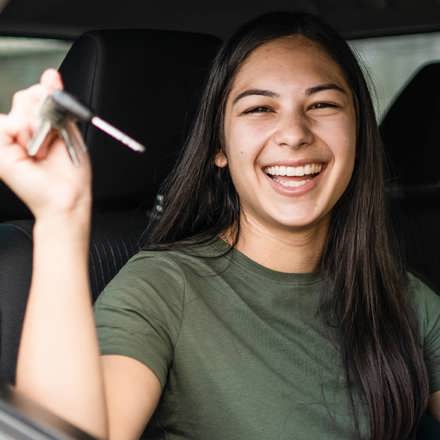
[{"x": 304, "y": 223}]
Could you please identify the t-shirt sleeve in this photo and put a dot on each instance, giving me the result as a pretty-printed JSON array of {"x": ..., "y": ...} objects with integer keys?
[
  {"x": 428, "y": 311},
  {"x": 140, "y": 311}
]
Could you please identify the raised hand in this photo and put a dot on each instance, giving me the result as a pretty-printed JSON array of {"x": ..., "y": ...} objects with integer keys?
[{"x": 48, "y": 183}]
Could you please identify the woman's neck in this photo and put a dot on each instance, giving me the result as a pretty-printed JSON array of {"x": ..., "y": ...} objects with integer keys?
[{"x": 292, "y": 251}]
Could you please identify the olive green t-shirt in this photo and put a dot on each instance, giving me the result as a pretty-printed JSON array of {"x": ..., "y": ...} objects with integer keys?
[{"x": 239, "y": 349}]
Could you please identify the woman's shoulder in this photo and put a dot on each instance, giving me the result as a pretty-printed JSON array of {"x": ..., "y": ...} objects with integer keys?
[
  {"x": 160, "y": 273},
  {"x": 179, "y": 255},
  {"x": 147, "y": 274},
  {"x": 172, "y": 264},
  {"x": 421, "y": 290},
  {"x": 426, "y": 302}
]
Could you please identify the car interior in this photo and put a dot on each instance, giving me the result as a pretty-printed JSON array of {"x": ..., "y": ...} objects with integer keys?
[{"x": 143, "y": 69}]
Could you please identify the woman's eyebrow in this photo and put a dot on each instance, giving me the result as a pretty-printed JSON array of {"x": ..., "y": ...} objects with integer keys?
[
  {"x": 259, "y": 92},
  {"x": 309, "y": 91},
  {"x": 327, "y": 86}
]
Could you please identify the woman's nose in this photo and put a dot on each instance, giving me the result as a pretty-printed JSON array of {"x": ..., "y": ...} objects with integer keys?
[{"x": 293, "y": 131}]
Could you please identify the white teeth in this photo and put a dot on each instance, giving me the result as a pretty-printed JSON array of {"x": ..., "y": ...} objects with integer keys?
[{"x": 280, "y": 170}]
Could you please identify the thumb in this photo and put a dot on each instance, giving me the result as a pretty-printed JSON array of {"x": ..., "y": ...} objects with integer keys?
[{"x": 51, "y": 79}]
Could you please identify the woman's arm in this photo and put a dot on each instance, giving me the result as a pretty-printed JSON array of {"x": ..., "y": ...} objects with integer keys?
[
  {"x": 141, "y": 390},
  {"x": 59, "y": 364}
]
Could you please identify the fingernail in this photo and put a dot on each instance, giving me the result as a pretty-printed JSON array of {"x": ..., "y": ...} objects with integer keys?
[{"x": 51, "y": 78}]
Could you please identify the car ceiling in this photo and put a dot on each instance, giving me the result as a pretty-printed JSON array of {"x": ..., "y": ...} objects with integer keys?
[{"x": 354, "y": 19}]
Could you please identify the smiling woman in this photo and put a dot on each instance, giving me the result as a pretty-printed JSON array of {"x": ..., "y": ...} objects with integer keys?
[
  {"x": 268, "y": 301},
  {"x": 286, "y": 98},
  {"x": 289, "y": 112}
]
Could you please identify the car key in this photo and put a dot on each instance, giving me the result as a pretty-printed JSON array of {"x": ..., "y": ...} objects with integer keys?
[
  {"x": 55, "y": 117},
  {"x": 59, "y": 112},
  {"x": 66, "y": 135}
]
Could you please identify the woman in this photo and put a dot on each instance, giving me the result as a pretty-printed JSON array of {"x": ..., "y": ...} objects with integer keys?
[{"x": 269, "y": 302}]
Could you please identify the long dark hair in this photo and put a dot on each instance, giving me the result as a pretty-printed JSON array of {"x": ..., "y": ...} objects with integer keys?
[{"x": 366, "y": 295}]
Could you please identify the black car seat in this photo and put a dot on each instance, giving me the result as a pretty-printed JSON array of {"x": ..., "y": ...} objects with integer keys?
[
  {"x": 411, "y": 137},
  {"x": 145, "y": 82},
  {"x": 410, "y": 134}
]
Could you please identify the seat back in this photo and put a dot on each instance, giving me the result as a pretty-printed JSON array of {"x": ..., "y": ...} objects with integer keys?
[
  {"x": 147, "y": 83},
  {"x": 409, "y": 131}
]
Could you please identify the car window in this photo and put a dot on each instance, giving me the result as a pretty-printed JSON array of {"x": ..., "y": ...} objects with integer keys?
[
  {"x": 22, "y": 62},
  {"x": 389, "y": 61},
  {"x": 392, "y": 61}
]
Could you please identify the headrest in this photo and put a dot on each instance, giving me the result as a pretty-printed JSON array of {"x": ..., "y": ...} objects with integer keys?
[
  {"x": 147, "y": 84},
  {"x": 410, "y": 131}
]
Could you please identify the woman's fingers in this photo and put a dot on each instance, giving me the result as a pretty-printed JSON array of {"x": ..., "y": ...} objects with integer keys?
[
  {"x": 51, "y": 80},
  {"x": 23, "y": 117},
  {"x": 47, "y": 182},
  {"x": 18, "y": 129}
]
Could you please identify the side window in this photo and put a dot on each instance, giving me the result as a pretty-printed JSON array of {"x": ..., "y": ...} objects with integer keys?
[
  {"x": 23, "y": 60},
  {"x": 392, "y": 61}
]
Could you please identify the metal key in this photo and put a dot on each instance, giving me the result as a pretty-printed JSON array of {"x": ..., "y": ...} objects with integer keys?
[
  {"x": 59, "y": 112},
  {"x": 55, "y": 118},
  {"x": 43, "y": 130},
  {"x": 70, "y": 144}
]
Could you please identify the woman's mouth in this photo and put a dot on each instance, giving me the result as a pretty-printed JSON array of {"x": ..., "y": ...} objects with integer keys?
[{"x": 294, "y": 176}]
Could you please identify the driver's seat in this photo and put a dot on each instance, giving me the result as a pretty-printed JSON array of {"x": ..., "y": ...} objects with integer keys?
[{"x": 147, "y": 83}]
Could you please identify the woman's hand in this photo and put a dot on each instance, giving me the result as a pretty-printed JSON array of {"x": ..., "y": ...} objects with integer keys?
[{"x": 49, "y": 184}]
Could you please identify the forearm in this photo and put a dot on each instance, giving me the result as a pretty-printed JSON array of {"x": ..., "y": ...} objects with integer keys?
[{"x": 59, "y": 362}]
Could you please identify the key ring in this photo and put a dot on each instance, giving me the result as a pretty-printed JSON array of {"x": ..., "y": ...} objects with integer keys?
[{"x": 59, "y": 112}]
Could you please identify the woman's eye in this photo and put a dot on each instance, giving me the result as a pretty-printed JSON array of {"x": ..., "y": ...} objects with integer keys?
[
  {"x": 322, "y": 105},
  {"x": 259, "y": 109}
]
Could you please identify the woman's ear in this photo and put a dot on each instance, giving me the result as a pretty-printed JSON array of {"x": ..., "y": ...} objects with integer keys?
[{"x": 220, "y": 159}]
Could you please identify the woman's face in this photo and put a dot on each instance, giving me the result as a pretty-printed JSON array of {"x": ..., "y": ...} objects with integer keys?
[{"x": 290, "y": 134}]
